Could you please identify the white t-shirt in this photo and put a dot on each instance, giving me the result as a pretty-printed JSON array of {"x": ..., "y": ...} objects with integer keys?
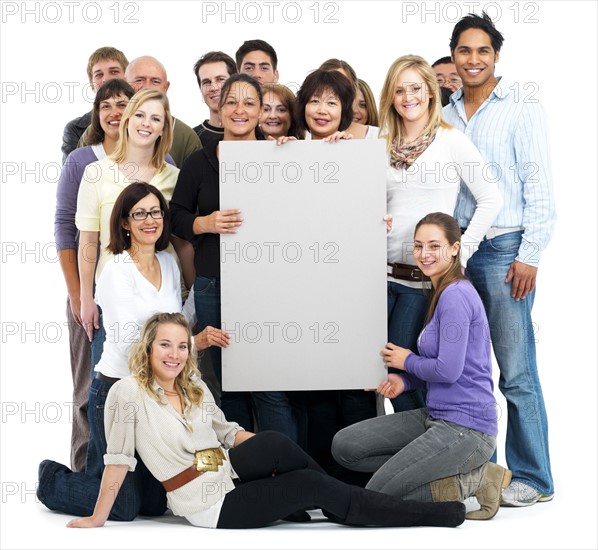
[{"x": 127, "y": 300}]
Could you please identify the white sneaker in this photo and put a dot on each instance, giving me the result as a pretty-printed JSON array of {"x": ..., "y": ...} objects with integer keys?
[{"x": 520, "y": 494}]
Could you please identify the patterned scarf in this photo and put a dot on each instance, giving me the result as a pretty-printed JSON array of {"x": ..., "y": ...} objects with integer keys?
[{"x": 403, "y": 156}]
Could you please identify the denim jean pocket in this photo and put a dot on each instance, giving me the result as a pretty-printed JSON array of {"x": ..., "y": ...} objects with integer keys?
[
  {"x": 203, "y": 285},
  {"x": 487, "y": 442},
  {"x": 478, "y": 448},
  {"x": 97, "y": 396}
]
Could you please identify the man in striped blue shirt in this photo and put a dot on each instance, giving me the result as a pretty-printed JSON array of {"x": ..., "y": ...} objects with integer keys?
[{"x": 507, "y": 124}]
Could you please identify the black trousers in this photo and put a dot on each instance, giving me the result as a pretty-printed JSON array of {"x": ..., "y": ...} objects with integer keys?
[{"x": 276, "y": 479}]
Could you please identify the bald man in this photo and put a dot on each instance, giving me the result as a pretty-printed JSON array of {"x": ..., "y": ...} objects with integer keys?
[{"x": 148, "y": 72}]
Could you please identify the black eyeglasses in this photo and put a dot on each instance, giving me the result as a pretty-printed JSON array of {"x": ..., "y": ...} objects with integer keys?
[{"x": 141, "y": 215}]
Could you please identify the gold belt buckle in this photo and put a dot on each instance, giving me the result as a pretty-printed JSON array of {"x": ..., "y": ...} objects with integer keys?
[{"x": 208, "y": 460}]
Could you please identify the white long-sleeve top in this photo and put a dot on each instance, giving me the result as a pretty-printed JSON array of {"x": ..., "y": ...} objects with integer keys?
[
  {"x": 127, "y": 300},
  {"x": 432, "y": 184}
]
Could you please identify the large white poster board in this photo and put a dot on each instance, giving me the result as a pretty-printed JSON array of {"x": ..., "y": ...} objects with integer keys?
[{"x": 304, "y": 277}]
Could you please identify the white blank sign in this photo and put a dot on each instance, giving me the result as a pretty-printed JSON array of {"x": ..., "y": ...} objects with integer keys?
[{"x": 304, "y": 277}]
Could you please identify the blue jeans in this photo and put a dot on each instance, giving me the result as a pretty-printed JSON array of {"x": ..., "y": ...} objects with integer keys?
[
  {"x": 97, "y": 343},
  {"x": 272, "y": 409},
  {"x": 76, "y": 492},
  {"x": 514, "y": 344},
  {"x": 406, "y": 311},
  {"x": 410, "y": 449}
]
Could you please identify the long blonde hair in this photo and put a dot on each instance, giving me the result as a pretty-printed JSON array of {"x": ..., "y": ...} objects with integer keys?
[
  {"x": 163, "y": 143},
  {"x": 139, "y": 359},
  {"x": 391, "y": 123}
]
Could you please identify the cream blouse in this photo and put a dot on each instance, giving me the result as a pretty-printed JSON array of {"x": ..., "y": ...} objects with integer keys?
[{"x": 166, "y": 441}]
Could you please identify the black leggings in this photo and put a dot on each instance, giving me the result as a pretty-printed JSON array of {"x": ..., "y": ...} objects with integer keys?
[{"x": 277, "y": 478}]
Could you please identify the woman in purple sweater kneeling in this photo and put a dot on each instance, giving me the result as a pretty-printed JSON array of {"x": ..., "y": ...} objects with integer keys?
[{"x": 440, "y": 452}]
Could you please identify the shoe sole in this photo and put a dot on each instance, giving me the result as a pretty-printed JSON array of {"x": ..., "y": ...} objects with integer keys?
[{"x": 519, "y": 504}]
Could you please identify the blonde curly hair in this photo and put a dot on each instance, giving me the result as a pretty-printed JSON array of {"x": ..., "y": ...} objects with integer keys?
[{"x": 139, "y": 359}]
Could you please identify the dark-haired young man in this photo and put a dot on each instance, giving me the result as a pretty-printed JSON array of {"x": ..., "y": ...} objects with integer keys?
[
  {"x": 212, "y": 70},
  {"x": 258, "y": 59},
  {"x": 511, "y": 134}
]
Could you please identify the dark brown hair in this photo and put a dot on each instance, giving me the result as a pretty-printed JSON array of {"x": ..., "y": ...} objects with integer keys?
[
  {"x": 129, "y": 197},
  {"x": 287, "y": 98},
  {"x": 214, "y": 57},
  {"x": 256, "y": 46},
  {"x": 452, "y": 232},
  {"x": 334, "y": 64},
  {"x": 108, "y": 90},
  {"x": 240, "y": 77}
]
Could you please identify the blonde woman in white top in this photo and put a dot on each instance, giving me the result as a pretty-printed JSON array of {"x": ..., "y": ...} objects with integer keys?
[{"x": 428, "y": 162}]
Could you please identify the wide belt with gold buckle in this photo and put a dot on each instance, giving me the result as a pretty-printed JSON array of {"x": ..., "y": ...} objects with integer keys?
[
  {"x": 406, "y": 272},
  {"x": 206, "y": 460}
]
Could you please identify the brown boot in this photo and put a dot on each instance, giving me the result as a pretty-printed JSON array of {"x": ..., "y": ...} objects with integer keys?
[
  {"x": 447, "y": 489},
  {"x": 488, "y": 494}
]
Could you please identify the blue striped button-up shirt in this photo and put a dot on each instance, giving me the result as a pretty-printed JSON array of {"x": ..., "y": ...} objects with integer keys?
[{"x": 510, "y": 131}]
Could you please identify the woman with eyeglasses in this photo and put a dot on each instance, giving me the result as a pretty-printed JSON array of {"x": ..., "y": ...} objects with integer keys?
[{"x": 140, "y": 279}]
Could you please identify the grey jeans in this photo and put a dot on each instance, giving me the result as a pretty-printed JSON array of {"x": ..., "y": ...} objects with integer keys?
[{"x": 408, "y": 450}]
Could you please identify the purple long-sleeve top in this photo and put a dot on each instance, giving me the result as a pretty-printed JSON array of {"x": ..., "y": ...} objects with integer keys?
[
  {"x": 65, "y": 230},
  {"x": 454, "y": 361}
]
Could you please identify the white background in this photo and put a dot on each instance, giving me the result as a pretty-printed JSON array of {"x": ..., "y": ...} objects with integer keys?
[{"x": 550, "y": 49}]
